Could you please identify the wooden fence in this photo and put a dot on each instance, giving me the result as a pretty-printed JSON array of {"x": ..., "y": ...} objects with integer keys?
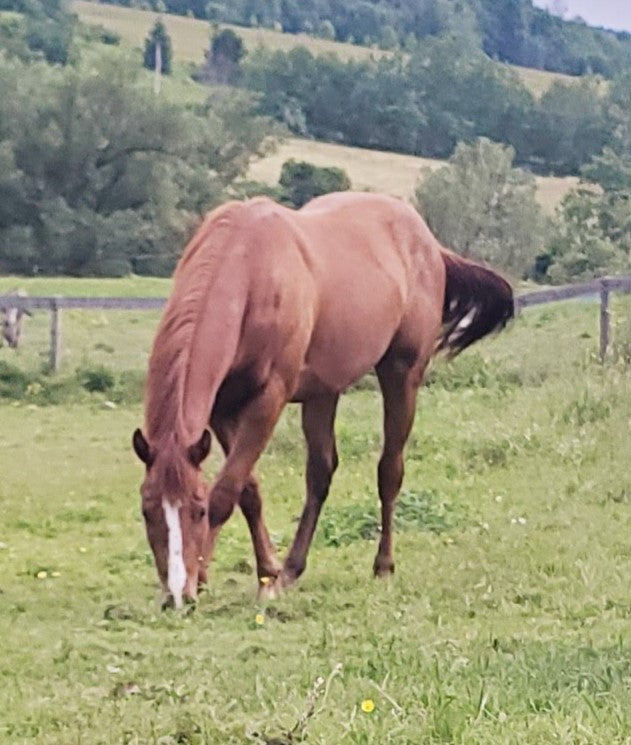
[{"x": 599, "y": 287}]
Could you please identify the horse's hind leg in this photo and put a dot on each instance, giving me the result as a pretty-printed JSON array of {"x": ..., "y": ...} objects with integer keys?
[
  {"x": 255, "y": 425},
  {"x": 318, "y": 417},
  {"x": 399, "y": 386},
  {"x": 251, "y": 504}
]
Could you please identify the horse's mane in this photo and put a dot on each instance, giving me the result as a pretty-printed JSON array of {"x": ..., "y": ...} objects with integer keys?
[{"x": 170, "y": 360}]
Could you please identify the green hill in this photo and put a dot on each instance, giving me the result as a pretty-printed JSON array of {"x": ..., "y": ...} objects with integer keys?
[
  {"x": 190, "y": 38},
  {"x": 376, "y": 170}
]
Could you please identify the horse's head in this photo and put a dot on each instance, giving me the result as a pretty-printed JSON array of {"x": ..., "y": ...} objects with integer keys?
[
  {"x": 12, "y": 320},
  {"x": 174, "y": 507},
  {"x": 11, "y": 326}
]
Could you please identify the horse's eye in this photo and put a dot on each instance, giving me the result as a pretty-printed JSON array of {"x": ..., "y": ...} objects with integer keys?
[
  {"x": 199, "y": 512},
  {"x": 146, "y": 514}
]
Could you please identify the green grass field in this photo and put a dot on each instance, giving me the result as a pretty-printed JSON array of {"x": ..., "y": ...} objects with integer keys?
[{"x": 506, "y": 622}]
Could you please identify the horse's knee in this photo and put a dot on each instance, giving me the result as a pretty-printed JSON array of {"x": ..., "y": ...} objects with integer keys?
[{"x": 221, "y": 504}]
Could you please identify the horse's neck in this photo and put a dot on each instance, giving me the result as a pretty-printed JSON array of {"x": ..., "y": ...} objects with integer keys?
[{"x": 165, "y": 386}]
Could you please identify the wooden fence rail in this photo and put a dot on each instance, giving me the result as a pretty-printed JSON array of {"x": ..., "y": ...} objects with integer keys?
[{"x": 599, "y": 287}]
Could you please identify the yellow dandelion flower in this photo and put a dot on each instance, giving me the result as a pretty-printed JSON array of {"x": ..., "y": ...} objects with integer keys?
[
  {"x": 264, "y": 580},
  {"x": 55, "y": 574},
  {"x": 259, "y": 619},
  {"x": 42, "y": 574},
  {"x": 368, "y": 706}
]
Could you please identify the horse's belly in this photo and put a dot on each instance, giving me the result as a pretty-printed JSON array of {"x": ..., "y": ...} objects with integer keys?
[
  {"x": 339, "y": 354},
  {"x": 360, "y": 306}
]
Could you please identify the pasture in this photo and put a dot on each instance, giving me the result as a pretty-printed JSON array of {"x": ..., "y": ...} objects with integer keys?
[
  {"x": 506, "y": 622},
  {"x": 372, "y": 170},
  {"x": 375, "y": 170}
]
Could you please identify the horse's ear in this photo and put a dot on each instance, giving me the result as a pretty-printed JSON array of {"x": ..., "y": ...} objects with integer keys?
[
  {"x": 200, "y": 449},
  {"x": 141, "y": 448}
]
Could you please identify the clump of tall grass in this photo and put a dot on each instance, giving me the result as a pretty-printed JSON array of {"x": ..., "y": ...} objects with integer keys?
[
  {"x": 13, "y": 381},
  {"x": 422, "y": 511},
  {"x": 472, "y": 370},
  {"x": 84, "y": 384}
]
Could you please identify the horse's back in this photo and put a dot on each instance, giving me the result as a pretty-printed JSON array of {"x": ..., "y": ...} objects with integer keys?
[
  {"x": 375, "y": 269},
  {"x": 325, "y": 289}
]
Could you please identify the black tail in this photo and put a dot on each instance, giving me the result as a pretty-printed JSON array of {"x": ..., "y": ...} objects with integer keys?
[{"x": 477, "y": 302}]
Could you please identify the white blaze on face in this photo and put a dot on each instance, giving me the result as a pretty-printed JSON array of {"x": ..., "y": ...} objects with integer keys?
[{"x": 177, "y": 570}]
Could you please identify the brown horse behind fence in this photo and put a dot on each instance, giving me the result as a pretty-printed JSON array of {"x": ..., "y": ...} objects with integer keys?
[
  {"x": 269, "y": 306},
  {"x": 13, "y": 320}
]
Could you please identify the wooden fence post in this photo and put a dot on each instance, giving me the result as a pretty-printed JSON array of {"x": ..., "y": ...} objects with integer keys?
[
  {"x": 604, "y": 319},
  {"x": 55, "y": 335},
  {"x": 516, "y": 307}
]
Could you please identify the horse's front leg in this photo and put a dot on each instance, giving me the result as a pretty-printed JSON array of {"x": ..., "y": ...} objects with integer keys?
[
  {"x": 268, "y": 566},
  {"x": 243, "y": 439},
  {"x": 318, "y": 417}
]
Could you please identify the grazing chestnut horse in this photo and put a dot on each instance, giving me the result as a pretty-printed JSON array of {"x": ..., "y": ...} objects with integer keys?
[{"x": 271, "y": 305}]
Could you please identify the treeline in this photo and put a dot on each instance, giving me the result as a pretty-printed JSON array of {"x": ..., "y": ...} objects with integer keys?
[
  {"x": 512, "y": 31},
  {"x": 481, "y": 206},
  {"x": 45, "y": 29},
  {"x": 98, "y": 175},
  {"x": 425, "y": 103}
]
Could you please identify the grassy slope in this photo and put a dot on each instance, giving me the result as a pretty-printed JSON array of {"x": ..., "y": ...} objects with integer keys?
[
  {"x": 368, "y": 169},
  {"x": 190, "y": 38},
  {"x": 374, "y": 170},
  {"x": 507, "y": 625}
]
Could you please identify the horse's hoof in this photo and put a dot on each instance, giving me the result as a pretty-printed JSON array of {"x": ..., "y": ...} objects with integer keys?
[
  {"x": 383, "y": 569},
  {"x": 269, "y": 588}
]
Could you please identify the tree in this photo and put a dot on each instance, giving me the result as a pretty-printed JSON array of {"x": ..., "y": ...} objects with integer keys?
[
  {"x": 46, "y": 29},
  {"x": 580, "y": 247},
  {"x": 592, "y": 234},
  {"x": 326, "y": 30},
  {"x": 12, "y": 38},
  {"x": 572, "y": 124},
  {"x": 388, "y": 38},
  {"x": 465, "y": 95},
  {"x": 482, "y": 207},
  {"x": 303, "y": 181},
  {"x": 99, "y": 176},
  {"x": 222, "y": 65},
  {"x": 619, "y": 110},
  {"x": 158, "y": 36}
]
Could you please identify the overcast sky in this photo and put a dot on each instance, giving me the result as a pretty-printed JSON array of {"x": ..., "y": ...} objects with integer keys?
[{"x": 614, "y": 14}]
